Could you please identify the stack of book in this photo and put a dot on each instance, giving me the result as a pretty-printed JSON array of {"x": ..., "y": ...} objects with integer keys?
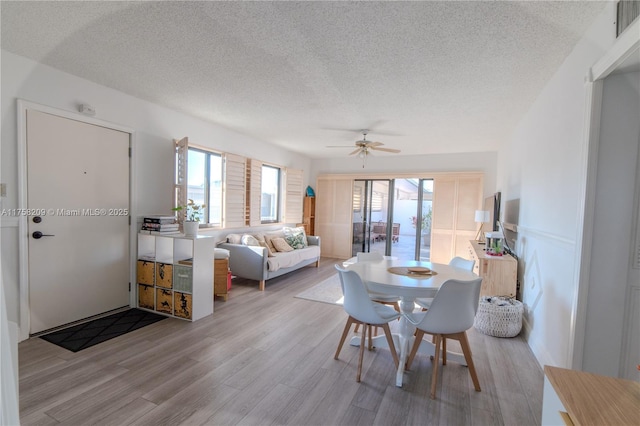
[{"x": 159, "y": 225}]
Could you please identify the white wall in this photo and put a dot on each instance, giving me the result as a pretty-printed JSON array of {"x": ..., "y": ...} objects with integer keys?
[
  {"x": 542, "y": 166},
  {"x": 155, "y": 128},
  {"x": 615, "y": 186}
]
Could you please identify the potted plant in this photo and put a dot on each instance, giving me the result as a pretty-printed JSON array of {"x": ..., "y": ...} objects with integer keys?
[
  {"x": 193, "y": 215},
  {"x": 425, "y": 226}
]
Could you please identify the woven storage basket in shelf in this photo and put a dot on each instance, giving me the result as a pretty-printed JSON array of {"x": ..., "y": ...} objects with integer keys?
[{"x": 499, "y": 316}]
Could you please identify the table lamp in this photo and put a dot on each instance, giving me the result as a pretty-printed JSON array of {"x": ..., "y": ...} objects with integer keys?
[{"x": 482, "y": 216}]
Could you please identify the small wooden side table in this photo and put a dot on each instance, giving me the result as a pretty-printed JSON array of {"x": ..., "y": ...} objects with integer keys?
[{"x": 221, "y": 278}]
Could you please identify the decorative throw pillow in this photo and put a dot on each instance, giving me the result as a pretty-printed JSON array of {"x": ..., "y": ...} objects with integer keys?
[
  {"x": 269, "y": 250},
  {"x": 269, "y": 242},
  {"x": 295, "y": 237},
  {"x": 249, "y": 240},
  {"x": 234, "y": 238},
  {"x": 281, "y": 245},
  {"x": 263, "y": 243}
]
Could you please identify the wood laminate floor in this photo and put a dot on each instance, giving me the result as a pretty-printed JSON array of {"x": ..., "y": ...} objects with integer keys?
[{"x": 266, "y": 358}]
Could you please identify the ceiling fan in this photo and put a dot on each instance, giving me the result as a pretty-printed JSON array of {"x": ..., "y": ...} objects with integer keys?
[{"x": 364, "y": 147}]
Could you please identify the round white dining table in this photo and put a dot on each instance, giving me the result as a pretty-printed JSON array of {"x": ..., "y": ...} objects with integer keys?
[{"x": 377, "y": 277}]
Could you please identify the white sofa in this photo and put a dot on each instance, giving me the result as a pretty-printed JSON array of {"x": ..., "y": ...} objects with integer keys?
[{"x": 254, "y": 262}]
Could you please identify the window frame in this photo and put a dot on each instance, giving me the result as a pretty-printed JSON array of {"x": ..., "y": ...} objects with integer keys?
[
  {"x": 207, "y": 184},
  {"x": 279, "y": 200}
]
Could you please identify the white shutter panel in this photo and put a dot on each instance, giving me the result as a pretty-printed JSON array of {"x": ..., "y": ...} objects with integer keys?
[
  {"x": 180, "y": 188},
  {"x": 455, "y": 198},
  {"x": 235, "y": 191},
  {"x": 293, "y": 196},
  {"x": 254, "y": 172}
]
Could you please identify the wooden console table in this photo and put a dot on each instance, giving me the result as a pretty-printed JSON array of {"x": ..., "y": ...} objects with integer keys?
[{"x": 499, "y": 273}]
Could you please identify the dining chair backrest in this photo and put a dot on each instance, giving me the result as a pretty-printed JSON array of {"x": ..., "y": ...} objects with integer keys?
[
  {"x": 453, "y": 308},
  {"x": 462, "y": 263},
  {"x": 357, "y": 302},
  {"x": 369, "y": 257}
]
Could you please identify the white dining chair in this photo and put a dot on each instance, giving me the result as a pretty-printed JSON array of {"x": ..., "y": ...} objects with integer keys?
[
  {"x": 362, "y": 310},
  {"x": 450, "y": 315},
  {"x": 378, "y": 297},
  {"x": 385, "y": 299},
  {"x": 456, "y": 262}
]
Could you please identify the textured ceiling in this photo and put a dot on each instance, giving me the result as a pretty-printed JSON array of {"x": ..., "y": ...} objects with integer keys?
[{"x": 425, "y": 77}]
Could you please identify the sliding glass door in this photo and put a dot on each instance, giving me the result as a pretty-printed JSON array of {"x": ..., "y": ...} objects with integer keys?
[
  {"x": 372, "y": 210},
  {"x": 424, "y": 213},
  {"x": 412, "y": 206},
  {"x": 393, "y": 217}
]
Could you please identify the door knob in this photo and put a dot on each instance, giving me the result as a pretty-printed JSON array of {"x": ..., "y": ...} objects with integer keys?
[{"x": 37, "y": 235}]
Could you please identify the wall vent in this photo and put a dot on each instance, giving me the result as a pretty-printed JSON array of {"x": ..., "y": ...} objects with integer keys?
[{"x": 628, "y": 11}]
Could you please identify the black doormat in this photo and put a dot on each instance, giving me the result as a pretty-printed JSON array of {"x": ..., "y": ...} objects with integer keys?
[{"x": 100, "y": 330}]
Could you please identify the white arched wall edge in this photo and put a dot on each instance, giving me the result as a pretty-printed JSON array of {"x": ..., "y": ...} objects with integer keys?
[
  {"x": 23, "y": 249},
  {"x": 626, "y": 45}
]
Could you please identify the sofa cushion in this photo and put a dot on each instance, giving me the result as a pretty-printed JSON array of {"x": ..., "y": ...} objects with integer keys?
[
  {"x": 220, "y": 253},
  {"x": 249, "y": 240},
  {"x": 234, "y": 238},
  {"x": 263, "y": 243},
  {"x": 269, "y": 236},
  {"x": 281, "y": 245},
  {"x": 295, "y": 237},
  {"x": 292, "y": 258},
  {"x": 269, "y": 243},
  {"x": 270, "y": 252}
]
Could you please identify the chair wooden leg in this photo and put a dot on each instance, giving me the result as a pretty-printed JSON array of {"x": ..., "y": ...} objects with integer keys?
[
  {"x": 355, "y": 330},
  {"x": 466, "y": 350},
  {"x": 392, "y": 347},
  {"x": 433, "y": 340},
  {"x": 436, "y": 361},
  {"x": 444, "y": 350},
  {"x": 344, "y": 336},
  {"x": 362, "y": 339},
  {"x": 416, "y": 345}
]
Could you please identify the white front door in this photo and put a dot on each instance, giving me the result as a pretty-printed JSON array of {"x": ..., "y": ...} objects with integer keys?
[{"x": 78, "y": 182}]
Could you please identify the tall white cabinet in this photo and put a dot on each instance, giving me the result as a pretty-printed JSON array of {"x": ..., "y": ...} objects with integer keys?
[{"x": 175, "y": 275}]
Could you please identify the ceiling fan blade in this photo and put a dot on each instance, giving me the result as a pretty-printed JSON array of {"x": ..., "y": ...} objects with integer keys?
[
  {"x": 370, "y": 129},
  {"x": 356, "y": 151},
  {"x": 395, "y": 151},
  {"x": 372, "y": 144}
]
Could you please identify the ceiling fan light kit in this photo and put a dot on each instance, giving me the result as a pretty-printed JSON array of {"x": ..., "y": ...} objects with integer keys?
[{"x": 364, "y": 147}]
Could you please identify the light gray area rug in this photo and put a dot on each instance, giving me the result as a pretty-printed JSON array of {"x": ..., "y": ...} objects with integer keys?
[{"x": 327, "y": 291}]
